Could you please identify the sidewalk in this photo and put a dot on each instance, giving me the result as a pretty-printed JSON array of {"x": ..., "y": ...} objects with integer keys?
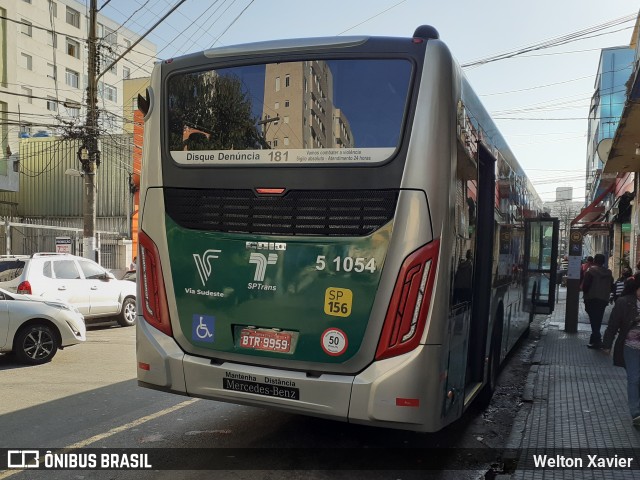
[{"x": 578, "y": 406}]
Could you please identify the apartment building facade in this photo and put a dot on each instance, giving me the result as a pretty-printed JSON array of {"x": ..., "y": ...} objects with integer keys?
[{"x": 43, "y": 68}]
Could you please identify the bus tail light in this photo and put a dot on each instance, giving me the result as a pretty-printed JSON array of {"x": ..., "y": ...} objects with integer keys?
[
  {"x": 409, "y": 305},
  {"x": 154, "y": 298}
]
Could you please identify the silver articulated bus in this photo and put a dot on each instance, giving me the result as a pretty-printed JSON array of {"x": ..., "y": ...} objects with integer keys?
[{"x": 333, "y": 227}]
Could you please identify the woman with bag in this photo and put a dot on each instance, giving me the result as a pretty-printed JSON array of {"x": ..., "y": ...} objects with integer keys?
[{"x": 623, "y": 321}]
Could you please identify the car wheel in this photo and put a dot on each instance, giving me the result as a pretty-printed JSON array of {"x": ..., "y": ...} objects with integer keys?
[
  {"x": 35, "y": 344},
  {"x": 128, "y": 314}
]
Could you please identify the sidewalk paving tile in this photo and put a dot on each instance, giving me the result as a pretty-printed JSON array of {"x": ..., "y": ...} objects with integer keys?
[{"x": 579, "y": 402}]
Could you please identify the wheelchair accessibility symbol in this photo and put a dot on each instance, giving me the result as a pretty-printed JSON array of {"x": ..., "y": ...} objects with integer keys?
[{"x": 203, "y": 328}]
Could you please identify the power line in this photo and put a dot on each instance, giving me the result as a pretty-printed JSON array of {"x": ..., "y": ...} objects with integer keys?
[
  {"x": 232, "y": 22},
  {"x": 371, "y": 18},
  {"x": 555, "y": 83},
  {"x": 554, "y": 42}
]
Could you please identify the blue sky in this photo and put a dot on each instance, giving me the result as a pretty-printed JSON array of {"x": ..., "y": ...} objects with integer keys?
[{"x": 553, "y": 85}]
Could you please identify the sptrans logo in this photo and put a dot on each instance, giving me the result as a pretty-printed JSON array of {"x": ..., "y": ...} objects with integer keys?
[
  {"x": 261, "y": 260},
  {"x": 203, "y": 263},
  {"x": 261, "y": 264}
]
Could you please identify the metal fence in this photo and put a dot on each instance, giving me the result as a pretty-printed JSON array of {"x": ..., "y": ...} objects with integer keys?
[{"x": 23, "y": 238}]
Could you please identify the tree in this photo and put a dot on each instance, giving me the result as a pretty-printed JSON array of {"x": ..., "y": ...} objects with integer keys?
[{"x": 217, "y": 107}]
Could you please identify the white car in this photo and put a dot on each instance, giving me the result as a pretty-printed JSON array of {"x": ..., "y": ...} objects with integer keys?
[
  {"x": 94, "y": 291},
  {"x": 34, "y": 329}
]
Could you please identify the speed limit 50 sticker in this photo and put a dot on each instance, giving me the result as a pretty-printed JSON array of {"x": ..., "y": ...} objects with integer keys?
[{"x": 334, "y": 342}]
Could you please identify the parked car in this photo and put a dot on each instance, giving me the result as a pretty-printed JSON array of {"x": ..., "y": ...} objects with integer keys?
[
  {"x": 94, "y": 291},
  {"x": 34, "y": 328}
]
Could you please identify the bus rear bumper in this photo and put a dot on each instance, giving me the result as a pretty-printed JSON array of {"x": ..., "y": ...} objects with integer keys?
[
  {"x": 403, "y": 392},
  {"x": 399, "y": 392},
  {"x": 170, "y": 369}
]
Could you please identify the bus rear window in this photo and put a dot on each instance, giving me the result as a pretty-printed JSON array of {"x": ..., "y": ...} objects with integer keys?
[{"x": 308, "y": 112}]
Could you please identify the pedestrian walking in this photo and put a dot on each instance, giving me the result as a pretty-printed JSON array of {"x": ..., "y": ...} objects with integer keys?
[
  {"x": 583, "y": 269},
  {"x": 596, "y": 287},
  {"x": 623, "y": 322},
  {"x": 618, "y": 286}
]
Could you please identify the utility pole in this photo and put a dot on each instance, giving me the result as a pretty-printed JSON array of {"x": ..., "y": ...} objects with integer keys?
[
  {"x": 89, "y": 152},
  {"x": 89, "y": 155}
]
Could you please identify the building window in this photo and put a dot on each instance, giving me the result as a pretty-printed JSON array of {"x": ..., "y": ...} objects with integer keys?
[
  {"x": 126, "y": 73},
  {"x": 275, "y": 142},
  {"x": 52, "y": 39},
  {"x": 73, "y": 108},
  {"x": 73, "y": 17},
  {"x": 53, "y": 8},
  {"x": 286, "y": 104},
  {"x": 277, "y": 105},
  {"x": 110, "y": 93},
  {"x": 73, "y": 48},
  {"x": 287, "y": 80},
  {"x": 28, "y": 94},
  {"x": 25, "y": 131},
  {"x": 52, "y": 71},
  {"x": 286, "y": 141},
  {"x": 72, "y": 78},
  {"x": 27, "y": 1},
  {"x": 277, "y": 84},
  {"x": 134, "y": 103},
  {"x": 52, "y": 105},
  {"x": 108, "y": 60},
  {"x": 109, "y": 35},
  {"x": 286, "y": 119},
  {"x": 27, "y": 27},
  {"x": 27, "y": 61}
]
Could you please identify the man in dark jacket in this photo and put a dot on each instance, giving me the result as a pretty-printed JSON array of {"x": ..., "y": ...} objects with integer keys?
[
  {"x": 596, "y": 287},
  {"x": 623, "y": 321}
]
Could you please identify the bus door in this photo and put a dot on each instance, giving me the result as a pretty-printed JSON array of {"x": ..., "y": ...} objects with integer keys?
[
  {"x": 541, "y": 265},
  {"x": 471, "y": 272},
  {"x": 482, "y": 279}
]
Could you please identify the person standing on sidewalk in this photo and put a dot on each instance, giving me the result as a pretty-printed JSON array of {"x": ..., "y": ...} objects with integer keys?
[
  {"x": 618, "y": 286},
  {"x": 583, "y": 269},
  {"x": 596, "y": 287},
  {"x": 623, "y": 321}
]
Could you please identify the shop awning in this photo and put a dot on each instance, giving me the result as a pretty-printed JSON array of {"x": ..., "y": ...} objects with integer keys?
[{"x": 593, "y": 212}]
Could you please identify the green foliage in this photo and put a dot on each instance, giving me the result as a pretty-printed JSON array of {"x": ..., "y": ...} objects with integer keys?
[{"x": 217, "y": 107}]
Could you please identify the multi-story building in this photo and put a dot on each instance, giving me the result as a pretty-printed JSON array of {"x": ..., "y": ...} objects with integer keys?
[
  {"x": 299, "y": 109},
  {"x": 623, "y": 157},
  {"x": 565, "y": 209},
  {"x": 606, "y": 189},
  {"x": 44, "y": 63}
]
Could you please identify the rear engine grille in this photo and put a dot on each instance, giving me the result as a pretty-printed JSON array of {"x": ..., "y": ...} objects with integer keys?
[{"x": 298, "y": 212}]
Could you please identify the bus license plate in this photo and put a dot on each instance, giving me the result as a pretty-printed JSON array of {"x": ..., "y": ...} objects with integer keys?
[{"x": 266, "y": 340}]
